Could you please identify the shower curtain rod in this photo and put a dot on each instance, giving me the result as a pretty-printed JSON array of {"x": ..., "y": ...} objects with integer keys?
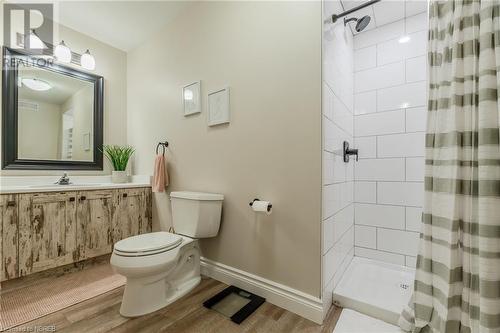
[{"x": 335, "y": 17}]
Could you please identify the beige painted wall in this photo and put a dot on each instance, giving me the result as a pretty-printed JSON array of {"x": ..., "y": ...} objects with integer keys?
[
  {"x": 82, "y": 105},
  {"x": 269, "y": 53},
  {"x": 40, "y": 139},
  {"x": 111, "y": 63}
]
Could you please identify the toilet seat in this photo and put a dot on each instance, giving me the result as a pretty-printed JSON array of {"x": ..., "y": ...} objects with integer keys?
[{"x": 147, "y": 244}]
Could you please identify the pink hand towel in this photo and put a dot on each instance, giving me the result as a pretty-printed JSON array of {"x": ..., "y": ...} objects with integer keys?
[{"x": 160, "y": 177}]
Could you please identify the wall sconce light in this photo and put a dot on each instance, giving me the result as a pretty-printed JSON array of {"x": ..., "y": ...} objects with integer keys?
[
  {"x": 62, "y": 53},
  {"x": 87, "y": 61}
]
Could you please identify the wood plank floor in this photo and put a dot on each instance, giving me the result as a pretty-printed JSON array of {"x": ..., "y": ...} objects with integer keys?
[{"x": 101, "y": 314}]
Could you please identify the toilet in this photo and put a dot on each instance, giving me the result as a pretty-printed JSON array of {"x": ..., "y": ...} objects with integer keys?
[{"x": 161, "y": 267}]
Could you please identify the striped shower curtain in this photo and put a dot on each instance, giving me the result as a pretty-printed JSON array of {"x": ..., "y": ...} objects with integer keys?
[{"x": 457, "y": 283}]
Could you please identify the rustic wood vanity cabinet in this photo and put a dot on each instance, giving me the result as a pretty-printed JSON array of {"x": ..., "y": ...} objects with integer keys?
[
  {"x": 133, "y": 211},
  {"x": 95, "y": 213},
  {"x": 10, "y": 236},
  {"x": 40, "y": 231},
  {"x": 47, "y": 231}
]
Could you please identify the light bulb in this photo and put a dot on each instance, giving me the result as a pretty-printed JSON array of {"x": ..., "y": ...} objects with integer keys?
[
  {"x": 62, "y": 53},
  {"x": 87, "y": 61}
]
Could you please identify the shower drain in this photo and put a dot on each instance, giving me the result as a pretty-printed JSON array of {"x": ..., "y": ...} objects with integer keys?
[{"x": 404, "y": 286}]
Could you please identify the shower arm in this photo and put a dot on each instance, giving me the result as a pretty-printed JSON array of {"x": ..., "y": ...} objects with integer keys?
[{"x": 335, "y": 17}]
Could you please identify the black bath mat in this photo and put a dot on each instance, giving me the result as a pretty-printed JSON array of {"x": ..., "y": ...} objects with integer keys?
[{"x": 235, "y": 303}]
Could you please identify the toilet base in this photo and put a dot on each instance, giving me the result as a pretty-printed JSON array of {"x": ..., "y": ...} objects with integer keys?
[
  {"x": 132, "y": 307},
  {"x": 144, "y": 295}
]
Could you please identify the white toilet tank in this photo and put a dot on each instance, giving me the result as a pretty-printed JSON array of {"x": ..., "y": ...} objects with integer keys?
[{"x": 196, "y": 214}]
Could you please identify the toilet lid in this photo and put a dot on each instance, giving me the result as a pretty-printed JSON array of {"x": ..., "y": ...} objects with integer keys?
[{"x": 151, "y": 242}]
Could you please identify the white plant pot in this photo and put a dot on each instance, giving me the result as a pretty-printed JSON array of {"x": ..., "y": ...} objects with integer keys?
[{"x": 119, "y": 177}]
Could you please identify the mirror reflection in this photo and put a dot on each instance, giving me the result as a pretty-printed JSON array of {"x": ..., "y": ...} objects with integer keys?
[{"x": 55, "y": 116}]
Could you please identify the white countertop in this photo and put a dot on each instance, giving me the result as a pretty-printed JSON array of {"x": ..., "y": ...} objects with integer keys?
[{"x": 32, "y": 184}]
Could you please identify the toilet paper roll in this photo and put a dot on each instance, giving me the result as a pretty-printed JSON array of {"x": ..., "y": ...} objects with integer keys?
[{"x": 261, "y": 207}]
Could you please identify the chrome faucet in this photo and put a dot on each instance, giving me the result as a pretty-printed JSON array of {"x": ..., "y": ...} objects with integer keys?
[{"x": 64, "y": 180}]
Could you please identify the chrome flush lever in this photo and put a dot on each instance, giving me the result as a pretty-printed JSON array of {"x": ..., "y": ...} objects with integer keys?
[{"x": 348, "y": 152}]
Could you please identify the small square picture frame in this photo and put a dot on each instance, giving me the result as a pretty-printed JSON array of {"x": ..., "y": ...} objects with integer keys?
[
  {"x": 218, "y": 107},
  {"x": 191, "y": 98}
]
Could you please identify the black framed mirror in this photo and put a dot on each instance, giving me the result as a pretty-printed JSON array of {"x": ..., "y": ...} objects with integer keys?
[{"x": 52, "y": 115}]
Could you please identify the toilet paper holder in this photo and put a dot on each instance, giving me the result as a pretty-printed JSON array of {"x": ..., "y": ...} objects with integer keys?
[{"x": 268, "y": 206}]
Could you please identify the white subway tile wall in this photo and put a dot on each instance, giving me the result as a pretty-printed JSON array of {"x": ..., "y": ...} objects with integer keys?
[
  {"x": 379, "y": 77},
  {"x": 400, "y": 193},
  {"x": 366, "y": 58},
  {"x": 365, "y": 102},
  {"x": 401, "y": 145},
  {"x": 338, "y": 126},
  {"x": 418, "y": 22},
  {"x": 365, "y": 236},
  {"x": 367, "y": 146},
  {"x": 378, "y": 35},
  {"x": 380, "y": 169},
  {"x": 413, "y": 218},
  {"x": 388, "y": 11},
  {"x": 411, "y": 261},
  {"x": 415, "y": 169},
  {"x": 397, "y": 241},
  {"x": 414, "y": 7},
  {"x": 389, "y": 129},
  {"x": 365, "y": 192},
  {"x": 393, "y": 51},
  {"x": 392, "y": 217},
  {"x": 370, "y": 124},
  {"x": 389, "y": 257},
  {"x": 416, "y": 119},
  {"x": 416, "y": 69},
  {"x": 402, "y": 96}
]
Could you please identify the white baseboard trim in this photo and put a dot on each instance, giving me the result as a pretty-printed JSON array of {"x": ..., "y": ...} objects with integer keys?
[{"x": 293, "y": 300}]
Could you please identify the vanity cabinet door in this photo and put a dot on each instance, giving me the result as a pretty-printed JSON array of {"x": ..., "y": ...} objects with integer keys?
[
  {"x": 95, "y": 214},
  {"x": 9, "y": 235},
  {"x": 47, "y": 231},
  {"x": 132, "y": 216},
  {"x": 148, "y": 209}
]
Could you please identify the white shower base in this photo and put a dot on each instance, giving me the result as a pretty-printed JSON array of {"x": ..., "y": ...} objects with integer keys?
[
  {"x": 354, "y": 322},
  {"x": 375, "y": 288}
]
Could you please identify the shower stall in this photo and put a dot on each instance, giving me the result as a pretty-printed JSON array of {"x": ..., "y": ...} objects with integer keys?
[{"x": 374, "y": 98}]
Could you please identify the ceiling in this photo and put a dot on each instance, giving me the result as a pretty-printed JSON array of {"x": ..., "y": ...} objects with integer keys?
[
  {"x": 122, "y": 24},
  {"x": 127, "y": 24},
  {"x": 385, "y": 11},
  {"x": 63, "y": 87}
]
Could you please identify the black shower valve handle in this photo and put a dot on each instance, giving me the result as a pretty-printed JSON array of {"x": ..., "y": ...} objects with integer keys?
[
  {"x": 348, "y": 152},
  {"x": 353, "y": 152}
]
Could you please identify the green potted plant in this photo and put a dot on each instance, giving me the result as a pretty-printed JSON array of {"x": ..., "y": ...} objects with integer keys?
[{"x": 118, "y": 156}]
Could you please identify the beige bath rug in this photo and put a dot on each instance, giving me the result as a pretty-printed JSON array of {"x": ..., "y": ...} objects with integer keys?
[{"x": 23, "y": 305}]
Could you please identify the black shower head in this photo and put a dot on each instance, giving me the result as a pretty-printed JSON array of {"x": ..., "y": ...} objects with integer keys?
[{"x": 361, "y": 23}]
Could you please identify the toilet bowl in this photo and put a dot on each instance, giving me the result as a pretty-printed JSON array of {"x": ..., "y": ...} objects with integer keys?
[{"x": 161, "y": 267}]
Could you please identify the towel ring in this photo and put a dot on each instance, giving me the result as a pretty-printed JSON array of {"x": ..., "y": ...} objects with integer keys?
[{"x": 164, "y": 145}]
